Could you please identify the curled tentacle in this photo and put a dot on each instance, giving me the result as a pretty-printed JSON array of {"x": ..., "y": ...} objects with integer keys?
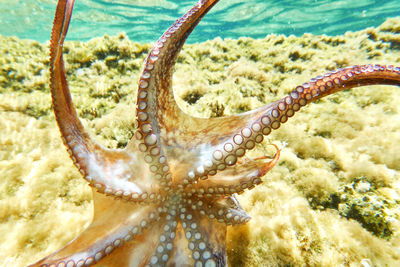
[{"x": 244, "y": 174}]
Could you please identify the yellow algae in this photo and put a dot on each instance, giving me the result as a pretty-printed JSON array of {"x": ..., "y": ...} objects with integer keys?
[{"x": 333, "y": 199}]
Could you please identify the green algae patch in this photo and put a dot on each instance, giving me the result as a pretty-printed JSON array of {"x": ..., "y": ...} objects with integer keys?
[
  {"x": 333, "y": 199},
  {"x": 361, "y": 202}
]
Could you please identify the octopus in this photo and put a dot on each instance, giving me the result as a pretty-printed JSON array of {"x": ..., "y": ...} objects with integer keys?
[{"x": 167, "y": 198}]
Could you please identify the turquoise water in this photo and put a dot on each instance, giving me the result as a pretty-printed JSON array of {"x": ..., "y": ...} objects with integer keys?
[{"x": 146, "y": 20}]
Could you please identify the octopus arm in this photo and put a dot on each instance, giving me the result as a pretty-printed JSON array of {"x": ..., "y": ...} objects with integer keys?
[
  {"x": 122, "y": 173},
  {"x": 120, "y": 227},
  {"x": 77, "y": 140},
  {"x": 222, "y": 141},
  {"x": 156, "y": 106}
]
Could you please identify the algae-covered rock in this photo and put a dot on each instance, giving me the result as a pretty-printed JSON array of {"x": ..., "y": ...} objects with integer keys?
[{"x": 332, "y": 200}]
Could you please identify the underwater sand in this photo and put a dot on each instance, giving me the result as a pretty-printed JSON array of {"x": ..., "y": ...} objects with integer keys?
[{"x": 332, "y": 200}]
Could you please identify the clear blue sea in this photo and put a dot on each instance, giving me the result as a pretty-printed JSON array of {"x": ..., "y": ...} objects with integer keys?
[{"x": 146, "y": 20}]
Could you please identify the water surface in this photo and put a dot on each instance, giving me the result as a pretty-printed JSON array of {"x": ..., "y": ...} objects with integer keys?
[{"x": 146, "y": 20}]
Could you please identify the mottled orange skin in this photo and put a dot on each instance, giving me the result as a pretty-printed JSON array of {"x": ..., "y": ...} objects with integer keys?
[{"x": 168, "y": 197}]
